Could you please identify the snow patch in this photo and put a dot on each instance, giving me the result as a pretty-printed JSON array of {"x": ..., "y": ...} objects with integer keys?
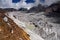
[{"x": 5, "y": 19}]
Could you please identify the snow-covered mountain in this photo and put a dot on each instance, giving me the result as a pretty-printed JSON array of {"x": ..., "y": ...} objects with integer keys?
[{"x": 39, "y": 25}]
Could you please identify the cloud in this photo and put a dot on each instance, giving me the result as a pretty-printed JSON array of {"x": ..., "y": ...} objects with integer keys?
[
  {"x": 46, "y": 2},
  {"x": 49, "y": 2},
  {"x": 23, "y": 4},
  {"x": 9, "y": 4}
]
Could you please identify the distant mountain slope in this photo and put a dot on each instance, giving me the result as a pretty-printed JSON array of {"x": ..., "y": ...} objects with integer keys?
[
  {"x": 22, "y": 9},
  {"x": 7, "y": 9},
  {"x": 38, "y": 8},
  {"x": 53, "y": 10}
]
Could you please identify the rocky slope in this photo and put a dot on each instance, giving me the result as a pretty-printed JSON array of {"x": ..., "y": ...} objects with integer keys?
[{"x": 9, "y": 30}]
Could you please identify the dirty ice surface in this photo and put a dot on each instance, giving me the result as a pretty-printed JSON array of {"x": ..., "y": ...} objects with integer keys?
[{"x": 33, "y": 36}]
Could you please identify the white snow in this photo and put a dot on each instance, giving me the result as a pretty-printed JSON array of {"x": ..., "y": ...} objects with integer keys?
[{"x": 5, "y": 19}]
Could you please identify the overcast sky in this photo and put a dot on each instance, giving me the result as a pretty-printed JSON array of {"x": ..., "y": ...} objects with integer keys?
[{"x": 24, "y": 3}]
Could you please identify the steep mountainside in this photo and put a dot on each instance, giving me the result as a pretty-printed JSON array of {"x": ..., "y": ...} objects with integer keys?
[{"x": 9, "y": 30}]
